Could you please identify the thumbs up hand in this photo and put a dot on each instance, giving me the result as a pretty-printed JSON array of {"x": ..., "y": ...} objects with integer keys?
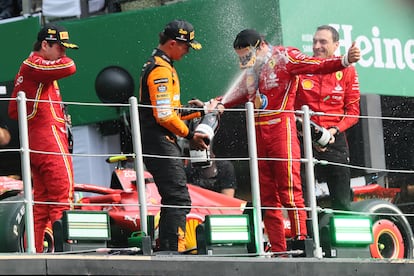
[{"x": 354, "y": 54}]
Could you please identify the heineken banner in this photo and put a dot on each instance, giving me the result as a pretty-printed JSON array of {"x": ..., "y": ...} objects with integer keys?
[{"x": 383, "y": 29}]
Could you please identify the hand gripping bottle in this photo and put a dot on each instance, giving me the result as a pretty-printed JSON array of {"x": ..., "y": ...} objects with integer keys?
[
  {"x": 320, "y": 135},
  {"x": 207, "y": 125}
]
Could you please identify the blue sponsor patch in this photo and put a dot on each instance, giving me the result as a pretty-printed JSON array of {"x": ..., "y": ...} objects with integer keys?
[
  {"x": 265, "y": 101},
  {"x": 164, "y": 102}
]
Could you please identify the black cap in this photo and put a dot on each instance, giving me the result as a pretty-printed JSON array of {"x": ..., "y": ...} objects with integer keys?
[
  {"x": 182, "y": 30},
  {"x": 246, "y": 38},
  {"x": 55, "y": 33}
]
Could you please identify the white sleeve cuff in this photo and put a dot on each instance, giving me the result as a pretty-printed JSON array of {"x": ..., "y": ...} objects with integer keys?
[{"x": 345, "y": 61}]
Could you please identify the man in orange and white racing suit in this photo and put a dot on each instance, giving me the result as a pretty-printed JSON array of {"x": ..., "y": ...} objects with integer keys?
[
  {"x": 52, "y": 173},
  {"x": 162, "y": 120},
  {"x": 269, "y": 81}
]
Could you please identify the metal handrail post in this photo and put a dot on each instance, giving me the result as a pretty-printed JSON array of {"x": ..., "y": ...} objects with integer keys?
[
  {"x": 139, "y": 163},
  {"x": 310, "y": 179},
  {"x": 26, "y": 176},
  {"x": 26, "y": 7},
  {"x": 254, "y": 179}
]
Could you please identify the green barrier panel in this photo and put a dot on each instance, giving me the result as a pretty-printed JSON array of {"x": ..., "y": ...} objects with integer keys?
[
  {"x": 17, "y": 41},
  {"x": 383, "y": 29},
  {"x": 128, "y": 38}
]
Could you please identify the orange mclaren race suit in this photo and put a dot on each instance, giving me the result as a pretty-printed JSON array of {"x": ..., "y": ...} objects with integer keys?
[
  {"x": 276, "y": 137},
  {"x": 334, "y": 94},
  {"x": 52, "y": 173},
  {"x": 161, "y": 122}
]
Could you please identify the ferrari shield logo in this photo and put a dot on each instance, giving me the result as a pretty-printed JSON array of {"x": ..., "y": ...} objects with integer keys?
[{"x": 339, "y": 75}]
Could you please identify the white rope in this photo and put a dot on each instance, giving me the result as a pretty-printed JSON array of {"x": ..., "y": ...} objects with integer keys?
[{"x": 321, "y": 162}]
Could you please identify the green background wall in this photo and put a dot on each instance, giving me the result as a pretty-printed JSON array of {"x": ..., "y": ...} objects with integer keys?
[
  {"x": 373, "y": 24},
  {"x": 128, "y": 38}
]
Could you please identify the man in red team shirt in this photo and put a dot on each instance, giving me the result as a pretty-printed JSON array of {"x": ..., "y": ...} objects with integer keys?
[
  {"x": 333, "y": 94},
  {"x": 52, "y": 173}
]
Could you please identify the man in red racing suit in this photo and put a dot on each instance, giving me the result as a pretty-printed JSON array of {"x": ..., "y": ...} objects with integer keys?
[
  {"x": 270, "y": 81},
  {"x": 336, "y": 94},
  {"x": 51, "y": 166}
]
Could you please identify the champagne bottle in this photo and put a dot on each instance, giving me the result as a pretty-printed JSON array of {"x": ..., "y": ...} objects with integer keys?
[
  {"x": 320, "y": 135},
  {"x": 207, "y": 125}
]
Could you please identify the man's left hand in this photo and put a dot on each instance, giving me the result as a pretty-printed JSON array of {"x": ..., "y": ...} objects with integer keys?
[
  {"x": 198, "y": 141},
  {"x": 214, "y": 105}
]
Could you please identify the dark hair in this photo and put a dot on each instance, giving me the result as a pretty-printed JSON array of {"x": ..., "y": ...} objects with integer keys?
[
  {"x": 334, "y": 32},
  {"x": 38, "y": 45},
  {"x": 163, "y": 38},
  {"x": 247, "y": 37}
]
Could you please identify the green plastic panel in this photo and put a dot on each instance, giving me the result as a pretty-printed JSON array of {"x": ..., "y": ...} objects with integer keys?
[
  {"x": 128, "y": 38},
  {"x": 383, "y": 29}
]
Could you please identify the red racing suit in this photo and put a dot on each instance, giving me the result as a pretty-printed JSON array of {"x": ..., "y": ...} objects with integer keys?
[
  {"x": 333, "y": 94},
  {"x": 276, "y": 136},
  {"x": 52, "y": 173}
]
